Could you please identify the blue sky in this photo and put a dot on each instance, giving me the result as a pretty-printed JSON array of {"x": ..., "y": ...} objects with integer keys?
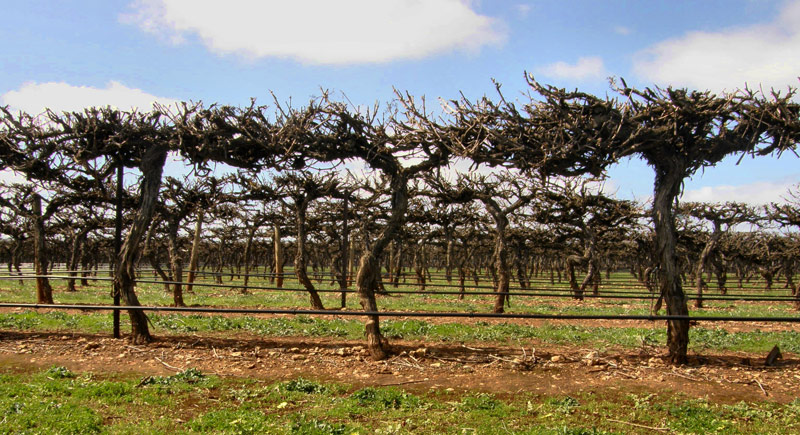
[{"x": 66, "y": 54}]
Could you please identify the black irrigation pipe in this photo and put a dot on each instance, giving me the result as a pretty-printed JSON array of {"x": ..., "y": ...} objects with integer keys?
[
  {"x": 526, "y": 291},
  {"x": 402, "y": 314},
  {"x": 407, "y": 273},
  {"x": 315, "y": 275},
  {"x": 603, "y": 289},
  {"x": 586, "y": 295},
  {"x": 604, "y": 282},
  {"x": 554, "y": 293},
  {"x": 643, "y": 294}
]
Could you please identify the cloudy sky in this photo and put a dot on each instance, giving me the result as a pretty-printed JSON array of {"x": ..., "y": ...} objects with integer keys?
[{"x": 69, "y": 54}]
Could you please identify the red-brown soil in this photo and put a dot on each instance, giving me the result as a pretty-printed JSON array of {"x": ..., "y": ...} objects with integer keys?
[{"x": 540, "y": 368}]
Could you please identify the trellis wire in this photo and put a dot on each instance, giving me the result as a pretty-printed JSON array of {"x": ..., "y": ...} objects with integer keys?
[
  {"x": 403, "y": 313},
  {"x": 561, "y": 294},
  {"x": 318, "y": 275}
]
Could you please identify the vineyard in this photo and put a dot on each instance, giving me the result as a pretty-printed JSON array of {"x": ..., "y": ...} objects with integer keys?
[
  {"x": 562, "y": 363},
  {"x": 396, "y": 239}
]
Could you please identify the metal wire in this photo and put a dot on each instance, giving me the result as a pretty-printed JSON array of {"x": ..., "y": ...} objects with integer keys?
[
  {"x": 315, "y": 275},
  {"x": 558, "y": 293},
  {"x": 403, "y": 314}
]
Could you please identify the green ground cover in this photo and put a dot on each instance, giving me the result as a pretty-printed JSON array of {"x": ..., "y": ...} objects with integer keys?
[
  {"x": 60, "y": 401},
  {"x": 701, "y": 338},
  {"x": 227, "y": 295},
  {"x": 704, "y": 336}
]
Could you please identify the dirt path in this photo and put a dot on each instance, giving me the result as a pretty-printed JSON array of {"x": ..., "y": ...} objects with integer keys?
[{"x": 540, "y": 368}]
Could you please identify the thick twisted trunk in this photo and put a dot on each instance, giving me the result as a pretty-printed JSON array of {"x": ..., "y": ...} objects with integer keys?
[
  {"x": 366, "y": 284},
  {"x": 368, "y": 278},
  {"x": 667, "y": 187},
  {"x": 151, "y": 166},
  {"x": 501, "y": 266},
  {"x": 300, "y": 258},
  {"x": 44, "y": 292}
]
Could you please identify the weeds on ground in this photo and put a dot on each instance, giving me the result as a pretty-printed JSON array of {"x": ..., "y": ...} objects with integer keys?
[
  {"x": 701, "y": 338},
  {"x": 58, "y": 400}
]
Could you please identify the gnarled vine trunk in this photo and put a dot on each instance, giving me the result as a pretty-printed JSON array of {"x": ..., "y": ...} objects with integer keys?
[
  {"x": 195, "y": 255},
  {"x": 500, "y": 258},
  {"x": 667, "y": 187},
  {"x": 368, "y": 277},
  {"x": 152, "y": 166},
  {"x": 300, "y": 258},
  {"x": 44, "y": 292}
]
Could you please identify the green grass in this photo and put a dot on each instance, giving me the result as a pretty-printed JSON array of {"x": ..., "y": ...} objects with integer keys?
[
  {"x": 226, "y": 296},
  {"x": 701, "y": 337},
  {"x": 706, "y": 336},
  {"x": 59, "y": 401}
]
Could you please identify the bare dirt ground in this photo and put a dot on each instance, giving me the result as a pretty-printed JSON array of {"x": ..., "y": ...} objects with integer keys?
[{"x": 505, "y": 370}]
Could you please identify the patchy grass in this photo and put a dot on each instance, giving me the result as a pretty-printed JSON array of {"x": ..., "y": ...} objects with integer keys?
[
  {"x": 59, "y": 401},
  {"x": 706, "y": 336},
  {"x": 227, "y": 295},
  {"x": 701, "y": 338}
]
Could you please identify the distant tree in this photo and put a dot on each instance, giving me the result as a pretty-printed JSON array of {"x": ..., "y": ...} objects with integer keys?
[
  {"x": 722, "y": 218},
  {"x": 788, "y": 215},
  {"x": 590, "y": 216},
  {"x": 501, "y": 195},
  {"x": 26, "y": 201},
  {"x": 76, "y": 223},
  {"x": 302, "y": 188},
  {"x": 12, "y": 226}
]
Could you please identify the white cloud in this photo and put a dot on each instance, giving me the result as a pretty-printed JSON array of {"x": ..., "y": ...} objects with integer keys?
[
  {"x": 321, "y": 31},
  {"x": 765, "y": 54},
  {"x": 34, "y": 97},
  {"x": 622, "y": 30},
  {"x": 585, "y": 68},
  {"x": 760, "y": 192}
]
